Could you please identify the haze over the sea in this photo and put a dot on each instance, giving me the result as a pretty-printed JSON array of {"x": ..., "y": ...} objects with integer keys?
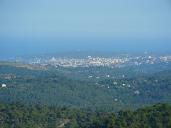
[{"x": 49, "y": 26}]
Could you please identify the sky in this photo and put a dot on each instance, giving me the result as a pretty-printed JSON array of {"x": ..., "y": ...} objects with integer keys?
[{"x": 39, "y": 26}]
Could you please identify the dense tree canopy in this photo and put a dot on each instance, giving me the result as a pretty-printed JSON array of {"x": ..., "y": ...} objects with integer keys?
[
  {"x": 68, "y": 97},
  {"x": 21, "y": 116}
]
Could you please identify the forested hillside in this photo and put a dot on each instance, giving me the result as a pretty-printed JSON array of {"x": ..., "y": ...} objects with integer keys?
[
  {"x": 57, "y": 87},
  {"x": 21, "y": 116}
]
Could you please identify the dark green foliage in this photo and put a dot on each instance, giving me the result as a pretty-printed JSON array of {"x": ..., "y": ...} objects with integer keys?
[{"x": 21, "y": 116}]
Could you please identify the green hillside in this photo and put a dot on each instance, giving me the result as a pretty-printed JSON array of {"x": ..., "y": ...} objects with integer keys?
[{"x": 57, "y": 88}]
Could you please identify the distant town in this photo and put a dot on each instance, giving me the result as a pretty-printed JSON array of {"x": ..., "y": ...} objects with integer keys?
[{"x": 90, "y": 61}]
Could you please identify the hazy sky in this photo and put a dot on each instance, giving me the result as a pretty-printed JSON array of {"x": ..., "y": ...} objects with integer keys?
[{"x": 26, "y": 22}]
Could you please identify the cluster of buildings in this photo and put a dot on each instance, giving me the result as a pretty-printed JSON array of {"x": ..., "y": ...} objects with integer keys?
[
  {"x": 101, "y": 61},
  {"x": 86, "y": 62}
]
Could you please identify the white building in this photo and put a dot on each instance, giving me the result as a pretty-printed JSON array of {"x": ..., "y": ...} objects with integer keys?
[
  {"x": 115, "y": 83},
  {"x": 4, "y": 85},
  {"x": 137, "y": 92},
  {"x": 116, "y": 99}
]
